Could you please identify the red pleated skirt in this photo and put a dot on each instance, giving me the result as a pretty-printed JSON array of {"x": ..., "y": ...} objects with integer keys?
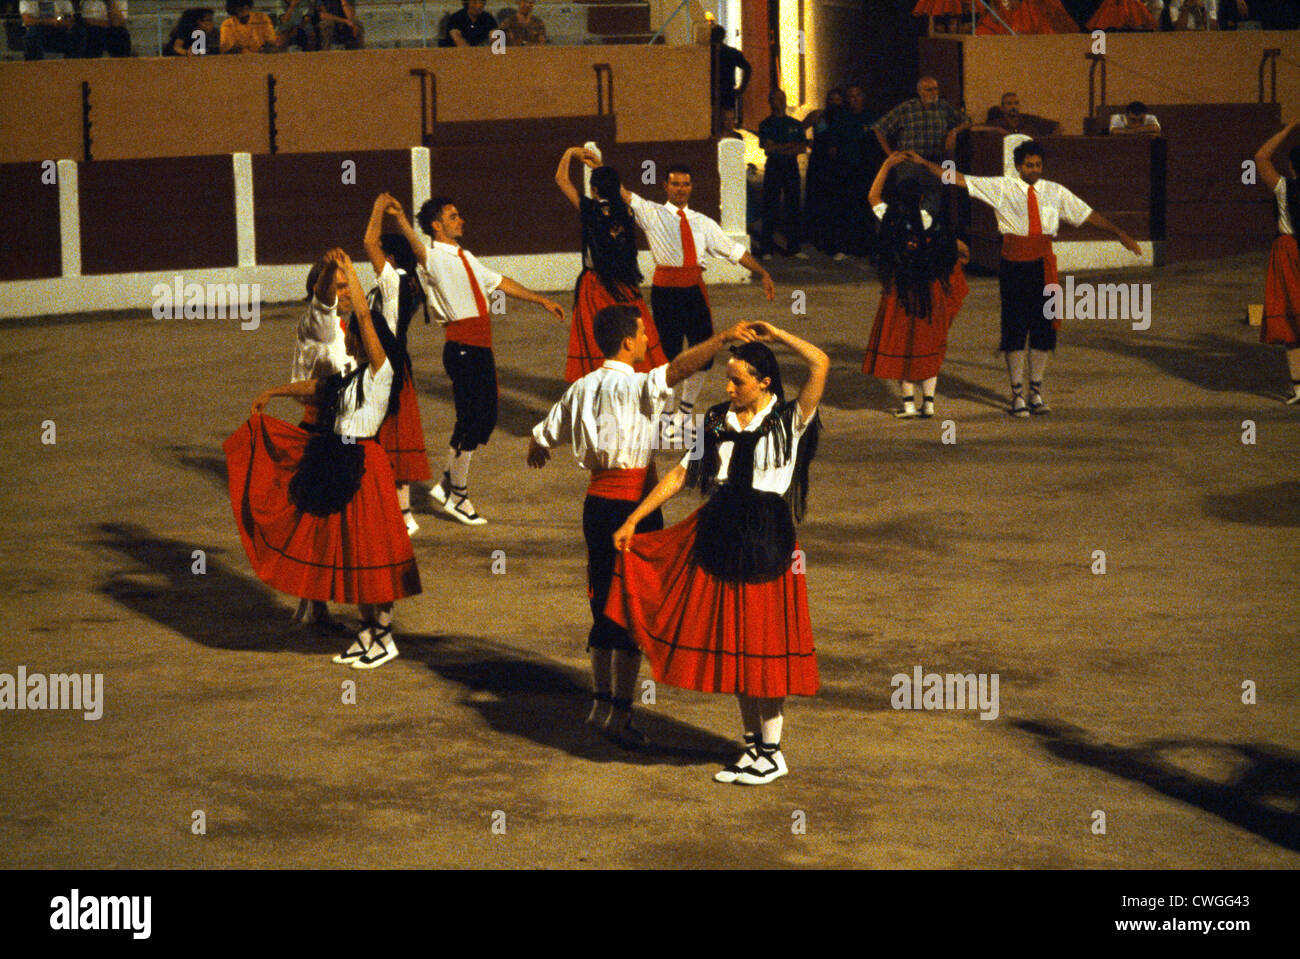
[
  {"x": 941, "y": 8},
  {"x": 359, "y": 555},
  {"x": 987, "y": 26},
  {"x": 402, "y": 437},
  {"x": 584, "y": 354},
  {"x": 705, "y": 634},
  {"x": 903, "y": 347},
  {"x": 1041, "y": 16},
  {"x": 1122, "y": 15},
  {"x": 1282, "y": 294}
]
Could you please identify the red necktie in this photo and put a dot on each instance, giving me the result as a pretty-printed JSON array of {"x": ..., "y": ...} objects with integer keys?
[
  {"x": 1035, "y": 222},
  {"x": 479, "y": 303},
  {"x": 688, "y": 242}
]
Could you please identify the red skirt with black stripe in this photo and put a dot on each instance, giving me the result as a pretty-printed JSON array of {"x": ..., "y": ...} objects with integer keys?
[
  {"x": 361, "y": 554},
  {"x": 1282, "y": 294},
  {"x": 904, "y": 347},
  {"x": 590, "y": 299},
  {"x": 703, "y": 633},
  {"x": 1041, "y": 16},
  {"x": 402, "y": 436}
]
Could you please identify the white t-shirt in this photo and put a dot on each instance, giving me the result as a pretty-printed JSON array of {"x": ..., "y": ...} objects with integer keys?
[
  {"x": 1117, "y": 120},
  {"x": 46, "y": 9},
  {"x": 610, "y": 415},
  {"x": 363, "y": 421},
  {"x": 98, "y": 9},
  {"x": 769, "y": 478}
]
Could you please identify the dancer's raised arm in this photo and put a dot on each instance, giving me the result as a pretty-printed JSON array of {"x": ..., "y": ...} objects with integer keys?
[
  {"x": 819, "y": 364},
  {"x": 1268, "y": 173},
  {"x": 374, "y": 228}
]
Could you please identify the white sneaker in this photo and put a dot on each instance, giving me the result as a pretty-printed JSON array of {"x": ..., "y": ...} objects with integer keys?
[
  {"x": 764, "y": 769},
  {"x": 360, "y": 647},
  {"x": 801, "y": 255},
  {"x": 412, "y": 527},
  {"x": 840, "y": 257},
  {"x": 746, "y": 760},
  {"x": 459, "y": 508},
  {"x": 439, "y": 493},
  {"x": 908, "y": 411},
  {"x": 1295, "y": 398}
]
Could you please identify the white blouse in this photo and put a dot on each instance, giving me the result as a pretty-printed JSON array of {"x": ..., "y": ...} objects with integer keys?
[
  {"x": 880, "y": 209},
  {"x": 1284, "y": 224},
  {"x": 363, "y": 421},
  {"x": 768, "y": 479},
  {"x": 320, "y": 351}
]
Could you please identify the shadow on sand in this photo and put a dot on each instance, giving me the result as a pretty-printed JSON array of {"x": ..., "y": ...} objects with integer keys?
[
  {"x": 1261, "y": 772},
  {"x": 516, "y": 692}
]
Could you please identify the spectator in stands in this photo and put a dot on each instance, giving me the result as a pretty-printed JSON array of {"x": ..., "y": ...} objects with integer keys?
[
  {"x": 1134, "y": 119},
  {"x": 247, "y": 30},
  {"x": 1008, "y": 119},
  {"x": 928, "y": 126},
  {"x": 183, "y": 43},
  {"x": 106, "y": 30},
  {"x": 522, "y": 28},
  {"x": 729, "y": 61},
  {"x": 470, "y": 27},
  {"x": 298, "y": 27},
  {"x": 339, "y": 26},
  {"x": 51, "y": 26},
  {"x": 1042, "y": 16},
  {"x": 782, "y": 139},
  {"x": 1121, "y": 15}
]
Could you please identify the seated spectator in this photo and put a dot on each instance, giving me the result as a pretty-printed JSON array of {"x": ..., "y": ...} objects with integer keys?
[
  {"x": 1134, "y": 119},
  {"x": 182, "y": 41},
  {"x": 247, "y": 30},
  {"x": 298, "y": 26},
  {"x": 51, "y": 26},
  {"x": 470, "y": 27},
  {"x": 106, "y": 30},
  {"x": 339, "y": 26},
  {"x": 522, "y": 28},
  {"x": 1007, "y": 118}
]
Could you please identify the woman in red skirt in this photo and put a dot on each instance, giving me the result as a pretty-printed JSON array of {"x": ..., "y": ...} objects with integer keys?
[
  {"x": 317, "y": 509},
  {"x": 718, "y": 602},
  {"x": 1042, "y": 16},
  {"x": 397, "y": 295},
  {"x": 923, "y": 287},
  {"x": 609, "y": 274},
  {"x": 1122, "y": 15},
  {"x": 1282, "y": 287},
  {"x": 947, "y": 14}
]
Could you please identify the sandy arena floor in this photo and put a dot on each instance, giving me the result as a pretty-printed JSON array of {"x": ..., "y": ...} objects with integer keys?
[{"x": 1119, "y": 692}]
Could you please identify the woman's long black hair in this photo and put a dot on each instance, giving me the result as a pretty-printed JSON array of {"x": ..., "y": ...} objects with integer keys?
[
  {"x": 909, "y": 258},
  {"x": 610, "y": 240},
  {"x": 702, "y": 473},
  {"x": 410, "y": 298}
]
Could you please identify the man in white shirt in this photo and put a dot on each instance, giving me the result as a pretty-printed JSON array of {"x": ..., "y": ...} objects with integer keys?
[
  {"x": 679, "y": 238},
  {"x": 610, "y": 417},
  {"x": 457, "y": 286},
  {"x": 1029, "y": 210},
  {"x": 1134, "y": 119}
]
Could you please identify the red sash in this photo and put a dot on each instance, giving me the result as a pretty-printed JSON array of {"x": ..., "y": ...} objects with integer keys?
[
  {"x": 471, "y": 331},
  {"x": 625, "y": 484},
  {"x": 679, "y": 276},
  {"x": 1024, "y": 249}
]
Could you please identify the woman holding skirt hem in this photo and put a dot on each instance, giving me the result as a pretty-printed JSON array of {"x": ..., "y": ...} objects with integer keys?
[{"x": 718, "y": 602}]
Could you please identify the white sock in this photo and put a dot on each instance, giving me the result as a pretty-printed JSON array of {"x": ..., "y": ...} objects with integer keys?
[
  {"x": 458, "y": 467},
  {"x": 404, "y": 496},
  {"x": 1016, "y": 368},
  {"x": 1037, "y": 365},
  {"x": 772, "y": 730}
]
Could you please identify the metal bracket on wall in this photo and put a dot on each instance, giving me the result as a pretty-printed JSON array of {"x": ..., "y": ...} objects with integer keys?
[
  {"x": 1269, "y": 59},
  {"x": 606, "y": 71},
  {"x": 85, "y": 119},
  {"x": 1095, "y": 59},
  {"x": 428, "y": 102},
  {"x": 271, "y": 131}
]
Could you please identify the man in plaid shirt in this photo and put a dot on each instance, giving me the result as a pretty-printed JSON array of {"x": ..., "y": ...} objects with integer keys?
[{"x": 927, "y": 125}]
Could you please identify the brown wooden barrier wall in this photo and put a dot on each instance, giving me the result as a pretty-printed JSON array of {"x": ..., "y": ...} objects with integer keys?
[
  {"x": 32, "y": 247},
  {"x": 166, "y": 214}
]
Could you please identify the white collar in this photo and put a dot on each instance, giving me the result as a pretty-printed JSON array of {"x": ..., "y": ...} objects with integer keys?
[
  {"x": 617, "y": 365},
  {"x": 676, "y": 209},
  {"x": 450, "y": 249},
  {"x": 733, "y": 420}
]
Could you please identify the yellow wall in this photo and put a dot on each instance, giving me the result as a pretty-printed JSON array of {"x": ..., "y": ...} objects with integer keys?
[
  {"x": 1051, "y": 74},
  {"x": 364, "y": 100}
]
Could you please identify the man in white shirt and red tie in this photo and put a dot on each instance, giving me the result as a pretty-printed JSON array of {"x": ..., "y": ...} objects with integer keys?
[
  {"x": 457, "y": 286},
  {"x": 1029, "y": 211},
  {"x": 610, "y": 416},
  {"x": 678, "y": 238}
]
